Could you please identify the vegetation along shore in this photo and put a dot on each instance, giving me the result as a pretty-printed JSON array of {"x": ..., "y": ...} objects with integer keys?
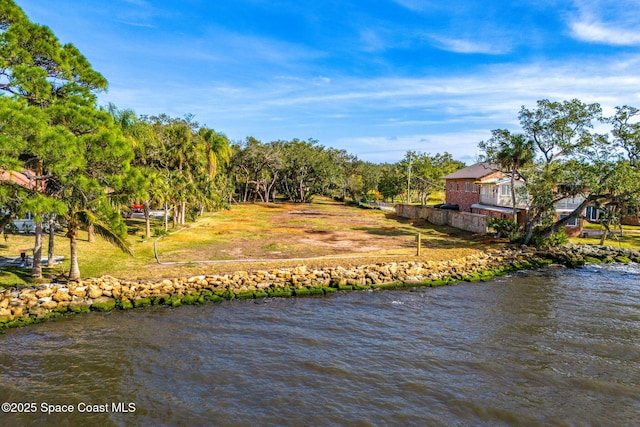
[
  {"x": 197, "y": 217},
  {"x": 28, "y": 305}
]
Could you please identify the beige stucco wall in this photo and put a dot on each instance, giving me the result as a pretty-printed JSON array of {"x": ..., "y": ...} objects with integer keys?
[{"x": 475, "y": 223}]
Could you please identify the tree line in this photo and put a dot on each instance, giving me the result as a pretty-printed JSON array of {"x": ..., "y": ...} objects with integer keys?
[
  {"x": 297, "y": 170},
  {"x": 87, "y": 163}
]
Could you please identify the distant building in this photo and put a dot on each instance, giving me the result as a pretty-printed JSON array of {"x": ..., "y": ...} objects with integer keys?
[
  {"x": 462, "y": 187},
  {"x": 496, "y": 199},
  {"x": 481, "y": 188},
  {"x": 24, "y": 179}
]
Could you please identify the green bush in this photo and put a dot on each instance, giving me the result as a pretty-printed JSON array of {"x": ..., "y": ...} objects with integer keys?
[
  {"x": 506, "y": 227},
  {"x": 159, "y": 231},
  {"x": 558, "y": 238}
]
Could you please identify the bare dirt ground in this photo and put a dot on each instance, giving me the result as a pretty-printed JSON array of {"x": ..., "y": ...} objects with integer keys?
[
  {"x": 259, "y": 236},
  {"x": 322, "y": 233}
]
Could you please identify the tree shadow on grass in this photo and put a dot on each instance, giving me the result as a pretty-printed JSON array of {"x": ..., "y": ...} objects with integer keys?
[
  {"x": 12, "y": 276},
  {"x": 386, "y": 231}
]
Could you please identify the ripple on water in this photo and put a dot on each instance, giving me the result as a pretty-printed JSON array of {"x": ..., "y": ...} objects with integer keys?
[{"x": 553, "y": 346}]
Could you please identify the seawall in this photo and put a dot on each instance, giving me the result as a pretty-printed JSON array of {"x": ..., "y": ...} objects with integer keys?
[{"x": 29, "y": 305}]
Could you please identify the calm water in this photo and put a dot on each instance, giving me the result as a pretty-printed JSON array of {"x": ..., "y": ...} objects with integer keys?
[{"x": 552, "y": 347}]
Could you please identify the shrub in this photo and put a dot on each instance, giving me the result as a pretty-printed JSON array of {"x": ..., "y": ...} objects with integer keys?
[
  {"x": 506, "y": 227},
  {"x": 159, "y": 231},
  {"x": 558, "y": 238}
]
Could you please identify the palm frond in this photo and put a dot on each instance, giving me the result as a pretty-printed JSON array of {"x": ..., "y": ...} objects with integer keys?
[
  {"x": 104, "y": 230},
  {"x": 110, "y": 236}
]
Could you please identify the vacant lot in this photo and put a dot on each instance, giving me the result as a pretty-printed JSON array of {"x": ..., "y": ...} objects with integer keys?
[{"x": 262, "y": 236}]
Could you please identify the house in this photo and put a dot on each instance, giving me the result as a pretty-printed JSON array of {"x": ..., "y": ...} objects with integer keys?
[
  {"x": 496, "y": 199},
  {"x": 484, "y": 190},
  {"x": 630, "y": 216},
  {"x": 24, "y": 179},
  {"x": 481, "y": 188},
  {"x": 564, "y": 208},
  {"x": 461, "y": 187}
]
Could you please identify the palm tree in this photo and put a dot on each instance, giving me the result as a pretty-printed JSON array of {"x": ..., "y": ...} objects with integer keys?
[
  {"x": 511, "y": 153},
  {"x": 106, "y": 222},
  {"x": 217, "y": 148}
]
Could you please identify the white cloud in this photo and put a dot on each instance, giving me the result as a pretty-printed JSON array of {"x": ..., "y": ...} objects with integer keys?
[
  {"x": 371, "y": 41},
  {"x": 592, "y": 31},
  {"x": 606, "y": 21},
  {"x": 241, "y": 47},
  {"x": 451, "y": 113},
  {"x": 140, "y": 3},
  {"x": 468, "y": 46},
  {"x": 461, "y": 145},
  {"x": 136, "y": 24}
]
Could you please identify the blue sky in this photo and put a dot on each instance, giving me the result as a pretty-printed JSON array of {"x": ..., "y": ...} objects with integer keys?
[{"x": 374, "y": 77}]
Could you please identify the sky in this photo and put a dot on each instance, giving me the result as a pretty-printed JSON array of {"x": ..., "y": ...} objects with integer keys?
[{"x": 373, "y": 77}]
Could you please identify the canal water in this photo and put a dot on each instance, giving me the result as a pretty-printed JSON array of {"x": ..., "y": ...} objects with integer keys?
[{"x": 547, "y": 347}]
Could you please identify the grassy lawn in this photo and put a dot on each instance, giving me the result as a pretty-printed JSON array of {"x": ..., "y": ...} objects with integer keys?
[
  {"x": 591, "y": 226},
  {"x": 267, "y": 236},
  {"x": 256, "y": 236},
  {"x": 629, "y": 238},
  {"x": 95, "y": 259}
]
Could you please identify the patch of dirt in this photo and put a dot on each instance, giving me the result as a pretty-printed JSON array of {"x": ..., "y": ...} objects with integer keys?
[{"x": 293, "y": 231}]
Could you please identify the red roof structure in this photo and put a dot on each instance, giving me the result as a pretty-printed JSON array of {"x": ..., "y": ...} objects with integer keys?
[{"x": 19, "y": 178}]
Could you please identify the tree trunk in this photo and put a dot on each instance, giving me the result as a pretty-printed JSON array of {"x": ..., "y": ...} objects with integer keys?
[
  {"x": 147, "y": 219},
  {"x": 183, "y": 213},
  {"x": 301, "y": 191},
  {"x": 91, "y": 233},
  {"x": 603, "y": 237},
  {"x": 74, "y": 269},
  {"x": 166, "y": 217},
  {"x": 176, "y": 213},
  {"x": 513, "y": 196},
  {"x": 528, "y": 229},
  {"x": 52, "y": 235},
  {"x": 36, "y": 266},
  {"x": 254, "y": 196},
  {"x": 271, "y": 188}
]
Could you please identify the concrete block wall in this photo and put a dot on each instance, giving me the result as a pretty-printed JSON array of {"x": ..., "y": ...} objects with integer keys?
[{"x": 475, "y": 223}]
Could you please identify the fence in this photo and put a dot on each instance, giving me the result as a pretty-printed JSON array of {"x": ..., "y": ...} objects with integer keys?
[{"x": 468, "y": 221}]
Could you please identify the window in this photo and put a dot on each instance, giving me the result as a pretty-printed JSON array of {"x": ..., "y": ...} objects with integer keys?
[
  {"x": 457, "y": 186},
  {"x": 573, "y": 222},
  {"x": 466, "y": 187},
  {"x": 592, "y": 214},
  {"x": 474, "y": 188},
  {"x": 506, "y": 190}
]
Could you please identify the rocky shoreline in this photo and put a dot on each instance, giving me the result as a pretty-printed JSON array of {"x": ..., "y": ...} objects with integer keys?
[{"x": 19, "y": 307}]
